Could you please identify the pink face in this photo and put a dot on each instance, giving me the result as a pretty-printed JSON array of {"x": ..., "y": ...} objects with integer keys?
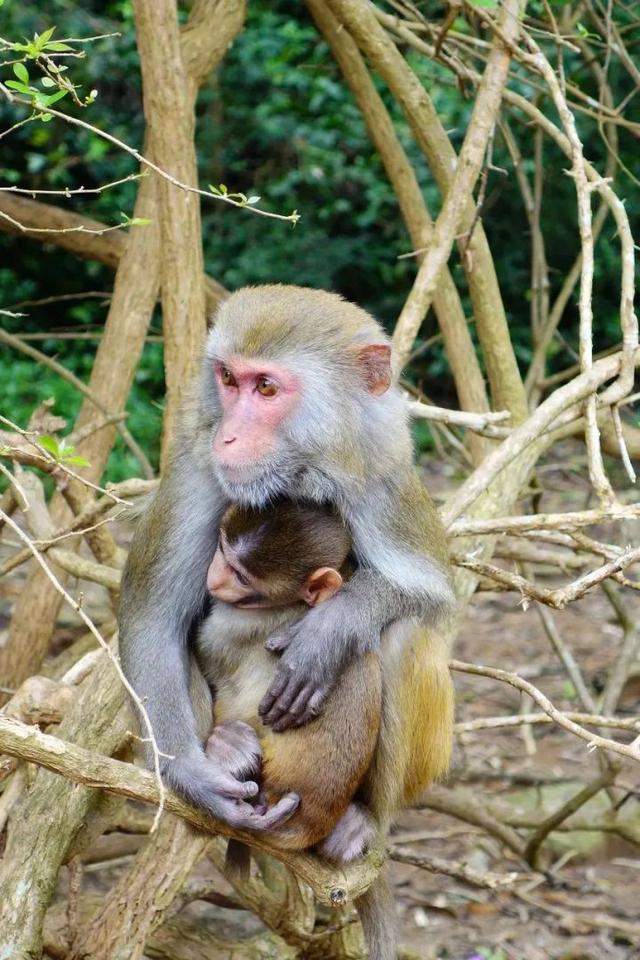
[{"x": 257, "y": 397}]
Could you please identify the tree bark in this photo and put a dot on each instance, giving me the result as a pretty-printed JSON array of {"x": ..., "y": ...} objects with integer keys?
[
  {"x": 206, "y": 38},
  {"x": 170, "y": 128},
  {"x": 42, "y": 828}
]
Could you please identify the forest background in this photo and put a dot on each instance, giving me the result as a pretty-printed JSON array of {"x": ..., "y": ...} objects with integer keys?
[{"x": 275, "y": 120}]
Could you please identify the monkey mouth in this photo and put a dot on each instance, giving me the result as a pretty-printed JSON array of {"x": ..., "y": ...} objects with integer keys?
[{"x": 253, "y": 485}]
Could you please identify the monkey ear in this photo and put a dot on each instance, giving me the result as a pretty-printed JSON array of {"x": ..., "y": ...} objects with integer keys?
[
  {"x": 321, "y": 585},
  {"x": 374, "y": 361}
]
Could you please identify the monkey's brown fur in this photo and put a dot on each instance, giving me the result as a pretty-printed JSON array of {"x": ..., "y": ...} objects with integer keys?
[{"x": 325, "y": 761}]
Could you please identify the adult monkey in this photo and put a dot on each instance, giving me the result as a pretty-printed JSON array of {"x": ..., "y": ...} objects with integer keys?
[{"x": 295, "y": 399}]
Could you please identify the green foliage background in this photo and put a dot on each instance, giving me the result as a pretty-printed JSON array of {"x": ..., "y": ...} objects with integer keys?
[{"x": 277, "y": 121}]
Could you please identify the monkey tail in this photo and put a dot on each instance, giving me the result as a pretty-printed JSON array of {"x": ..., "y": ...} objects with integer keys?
[
  {"x": 377, "y": 914},
  {"x": 237, "y": 861}
]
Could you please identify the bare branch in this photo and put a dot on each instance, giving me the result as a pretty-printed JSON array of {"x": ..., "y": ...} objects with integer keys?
[{"x": 331, "y": 886}]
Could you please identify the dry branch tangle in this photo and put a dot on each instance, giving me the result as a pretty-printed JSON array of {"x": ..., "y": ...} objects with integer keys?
[
  {"x": 629, "y": 751},
  {"x": 331, "y": 886}
]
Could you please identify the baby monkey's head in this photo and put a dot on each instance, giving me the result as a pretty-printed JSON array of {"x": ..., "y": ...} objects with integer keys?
[{"x": 279, "y": 555}]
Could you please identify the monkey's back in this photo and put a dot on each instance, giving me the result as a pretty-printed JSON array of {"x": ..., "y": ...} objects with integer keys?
[{"x": 416, "y": 726}]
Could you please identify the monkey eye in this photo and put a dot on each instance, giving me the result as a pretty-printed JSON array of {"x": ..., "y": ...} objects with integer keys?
[
  {"x": 267, "y": 387},
  {"x": 227, "y": 378},
  {"x": 241, "y": 578}
]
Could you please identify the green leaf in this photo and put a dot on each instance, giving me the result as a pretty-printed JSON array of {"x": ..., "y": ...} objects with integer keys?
[
  {"x": 253, "y": 199},
  {"x": 57, "y": 47},
  {"x": 20, "y": 87},
  {"x": 50, "y": 444},
  {"x": 485, "y": 4},
  {"x": 76, "y": 461},
  {"x": 42, "y": 38},
  {"x": 21, "y": 72},
  {"x": 48, "y": 82},
  {"x": 54, "y": 97}
]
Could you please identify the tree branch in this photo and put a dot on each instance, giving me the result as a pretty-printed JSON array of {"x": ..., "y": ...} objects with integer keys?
[{"x": 332, "y": 886}]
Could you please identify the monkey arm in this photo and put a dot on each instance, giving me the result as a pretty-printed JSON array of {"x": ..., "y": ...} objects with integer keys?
[
  {"x": 405, "y": 572},
  {"x": 163, "y": 593},
  {"x": 316, "y": 648}
]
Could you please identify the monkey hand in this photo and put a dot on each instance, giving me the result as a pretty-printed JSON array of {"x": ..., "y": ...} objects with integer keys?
[
  {"x": 235, "y": 746},
  {"x": 314, "y": 651},
  {"x": 208, "y": 784},
  {"x": 351, "y": 837}
]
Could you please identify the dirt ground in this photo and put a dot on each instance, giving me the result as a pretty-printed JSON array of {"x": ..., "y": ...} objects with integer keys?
[{"x": 444, "y": 919}]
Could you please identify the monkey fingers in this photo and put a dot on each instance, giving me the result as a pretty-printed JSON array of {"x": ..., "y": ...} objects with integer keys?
[
  {"x": 234, "y": 745},
  {"x": 304, "y": 708},
  {"x": 278, "y": 685},
  {"x": 279, "y": 642},
  {"x": 294, "y": 689},
  {"x": 206, "y": 784},
  {"x": 244, "y": 816},
  {"x": 312, "y": 709}
]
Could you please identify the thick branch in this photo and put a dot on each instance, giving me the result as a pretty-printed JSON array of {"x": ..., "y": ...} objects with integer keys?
[
  {"x": 332, "y": 886},
  {"x": 360, "y": 18},
  {"x": 107, "y": 248},
  {"x": 170, "y": 123},
  {"x": 451, "y": 319}
]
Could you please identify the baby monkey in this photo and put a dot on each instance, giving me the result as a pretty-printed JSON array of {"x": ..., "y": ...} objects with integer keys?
[{"x": 270, "y": 565}]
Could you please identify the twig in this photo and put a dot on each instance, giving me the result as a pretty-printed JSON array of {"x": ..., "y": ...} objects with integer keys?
[
  {"x": 71, "y": 378},
  {"x": 531, "y": 431},
  {"x": 567, "y": 809},
  {"x": 68, "y": 192},
  {"x": 476, "y": 814},
  {"x": 594, "y": 741},
  {"x": 478, "y": 422},
  {"x": 566, "y": 658},
  {"x": 622, "y": 446},
  {"x": 541, "y": 521},
  {"x": 537, "y": 719},
  {"x": 458, "y": 871},
  {"x": 558, "y": 598},
  {"x": 112, "y": 657},
  {"x": 75, "y": 121},
  {"x": 599, "y": 479},
  {"x": 627, "y": 653}
]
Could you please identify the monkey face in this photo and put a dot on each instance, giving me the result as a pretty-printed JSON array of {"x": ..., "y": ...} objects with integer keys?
[
  {"x": 257, "y": 399},
  {"x": 296, "y": 387},
  {"x": 229, "y": 581}
]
